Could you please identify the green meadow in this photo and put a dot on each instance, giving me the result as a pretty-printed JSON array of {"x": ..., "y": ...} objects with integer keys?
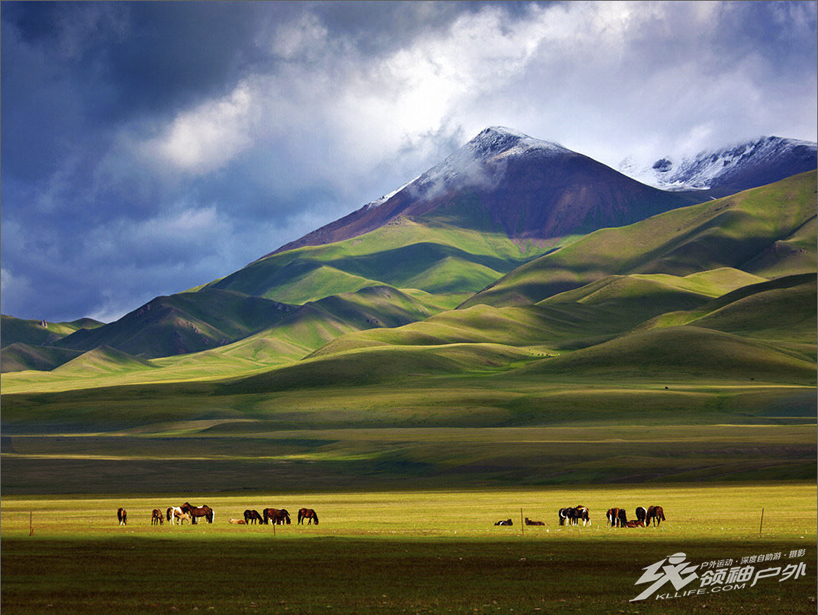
[{"x": 405, "y": 551}]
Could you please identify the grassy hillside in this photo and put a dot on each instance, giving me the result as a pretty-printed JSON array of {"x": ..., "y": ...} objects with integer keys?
[
  {"x": 405, "y": 254},
  {"x": 20, "y": 357},
  {"x": 33, "y": 333},
  {"x": 748, "y": 231},
  {"x": 679, "y": 348}
]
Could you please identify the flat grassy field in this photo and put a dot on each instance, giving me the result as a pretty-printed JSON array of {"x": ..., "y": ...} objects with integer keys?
[{"x": 408, "y": 551}]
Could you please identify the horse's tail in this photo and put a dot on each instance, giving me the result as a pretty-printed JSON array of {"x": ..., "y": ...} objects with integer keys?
[{"x": 211, "y": 515}]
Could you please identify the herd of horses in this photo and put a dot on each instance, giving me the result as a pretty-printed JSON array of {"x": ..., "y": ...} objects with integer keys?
[
  {"x": 190, "y": 513},
  {"x": 617, "y": 517},
  {"x": 276, "y": 516}
]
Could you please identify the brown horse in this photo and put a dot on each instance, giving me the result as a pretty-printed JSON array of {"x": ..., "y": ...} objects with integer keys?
[
  {"x": 276, "y": 516},
  {"x": 122, "y": 515},
  {"x": 198, "y": 511},
  {"x": 617, "y": 517},
  {"x": 635, "y": 523},
  {"x": 156, "y": 517},
  {"x": 308, "y": 514},
  {"x": 530, "y": 522},
  {"x": 655, "y": 514},
  {"x": 251, "y": 516}
]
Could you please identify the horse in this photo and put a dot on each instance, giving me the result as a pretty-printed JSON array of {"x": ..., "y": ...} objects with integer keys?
[
  {"x": 506, "y": 522},
  {"x": 276, "y": 516},
  {"x": 655, "y": 514},
  {"x": 617, "y": 517},
  {"x": 251, "y": 516},
  {"x": 174, "y": 513},
  {"x": 612, "y": 516},
  {"x": 122, "y": 515},
  {"x": 581, "y": 512},
  {"x": 634, "y": 524},
  {"x": 641, "y": 514},
  {"x": 198, "y": 511},
  {"x": 156, "y": 517},
  {"x": 309, "y": 514},
  {"x": 565, "y": 515},
  {"x": 530, "y": 522},
  {"x": 238, "y": 521}
]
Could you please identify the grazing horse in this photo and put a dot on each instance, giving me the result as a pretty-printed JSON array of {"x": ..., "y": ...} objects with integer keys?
[
  {"x": 565, "y": 515},
  {"x": 530, "y": 522},
  {"x": 617, "y": 517},
  {"x": 655, "y": 514},
  {"x": 612, "y": 516},
  {"x": 276, "y": 516},
  {"x": 506, "y": 522},
  {"x": 308, "y": 514},
  {"x": 156, "y": 517},
  {"x": 174, "y": 513},
  {"x": 581, "y": 512},
  {"x": 641, "y": 514},
  {"x": 122, "y": 515},
  {"x": 198, "y": 511},
  {"x": 251, "y": 516}
]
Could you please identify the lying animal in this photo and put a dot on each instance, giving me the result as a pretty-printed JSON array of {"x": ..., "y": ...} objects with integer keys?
[
  {"x": 530, "y": 522},
  {"x": 506, "y": 522}
]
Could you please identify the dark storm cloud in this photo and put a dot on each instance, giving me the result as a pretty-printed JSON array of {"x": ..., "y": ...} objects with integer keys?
[{"x": 149, "y": 147}]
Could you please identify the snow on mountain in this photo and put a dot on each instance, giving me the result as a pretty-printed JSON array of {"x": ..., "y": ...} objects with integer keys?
[
  {"x": 480, "y": 162},
  {"x": 732, "y": 168}
]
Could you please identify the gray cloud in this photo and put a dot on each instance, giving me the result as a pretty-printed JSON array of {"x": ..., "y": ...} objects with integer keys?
[{"x": 151, "y": 147}]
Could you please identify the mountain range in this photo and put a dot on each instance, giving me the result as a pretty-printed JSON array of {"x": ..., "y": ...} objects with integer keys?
[{"x": 510, "y": 240}]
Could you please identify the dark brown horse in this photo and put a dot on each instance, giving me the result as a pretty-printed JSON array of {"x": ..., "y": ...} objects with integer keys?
[
  {"x": 530, "y": 522},
  {"x": 122, "y": 515},
  {"x": 308, "y": 514},
  {"x": 581, "y": 513},
  {"x": 276, "y": 516},
  {"x": 198, "y": 511},
  {"x": 641, "y": 514},
  {"x": 251, "y": 516},
  {"x": 655, "y": 514},
  {"x": 156, "y": 517}
]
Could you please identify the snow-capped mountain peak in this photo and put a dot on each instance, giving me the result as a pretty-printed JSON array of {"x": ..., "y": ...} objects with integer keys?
[{"x": 748, "y": 164}]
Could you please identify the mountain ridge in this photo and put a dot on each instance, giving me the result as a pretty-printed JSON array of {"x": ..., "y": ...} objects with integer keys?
[{"x": 505, "y": 181}]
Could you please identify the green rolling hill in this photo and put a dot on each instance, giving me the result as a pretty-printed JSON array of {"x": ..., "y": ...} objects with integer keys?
[{"x": 768, "y": 230}]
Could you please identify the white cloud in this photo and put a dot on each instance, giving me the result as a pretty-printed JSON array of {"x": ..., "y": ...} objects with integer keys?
[{"x": 208, "y": 136}]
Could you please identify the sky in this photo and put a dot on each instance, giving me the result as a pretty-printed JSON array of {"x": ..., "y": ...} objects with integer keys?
[{"x": 151, "y": 147}]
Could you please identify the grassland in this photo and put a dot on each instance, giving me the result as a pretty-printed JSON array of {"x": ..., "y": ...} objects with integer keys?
[{"x": 418, "y": 551}]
